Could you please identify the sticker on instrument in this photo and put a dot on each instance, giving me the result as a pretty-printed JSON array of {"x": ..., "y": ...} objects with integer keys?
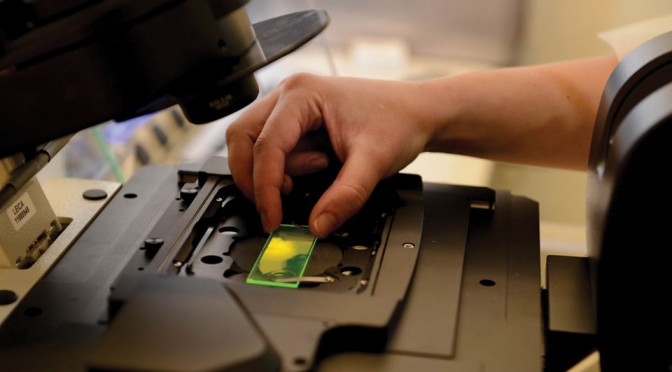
[{"x": 21, "y": 211}]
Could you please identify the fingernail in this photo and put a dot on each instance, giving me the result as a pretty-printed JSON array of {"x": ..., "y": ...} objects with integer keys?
[
  {"x": 286, "y": 186},
  {"x": 324, "y": 224}
]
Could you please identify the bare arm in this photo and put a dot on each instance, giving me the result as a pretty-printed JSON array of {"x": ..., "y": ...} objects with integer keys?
[{"x": 539, "y": 115}]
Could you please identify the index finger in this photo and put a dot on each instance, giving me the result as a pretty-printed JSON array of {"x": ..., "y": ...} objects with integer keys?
[
  {"x": 241, "y": 136},
  {"x": 293, "y": 116}
]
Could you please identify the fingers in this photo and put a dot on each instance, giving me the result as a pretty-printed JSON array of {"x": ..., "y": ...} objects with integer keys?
[
  {"x": 241, "y": 140},
  {"x": 266, "y": 145}
]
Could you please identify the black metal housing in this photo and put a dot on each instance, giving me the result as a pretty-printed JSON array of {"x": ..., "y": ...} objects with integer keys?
[
  {"x": 628, "y": 205},
  {"x": 453, "y": 285},
  {"x": 118, "y": 59}
]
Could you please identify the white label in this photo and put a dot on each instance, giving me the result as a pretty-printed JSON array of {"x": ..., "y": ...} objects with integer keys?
[{"x": 21, "y": 211}]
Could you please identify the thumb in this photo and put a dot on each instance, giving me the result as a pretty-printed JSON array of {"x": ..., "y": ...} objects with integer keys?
[{"x": 345, "y": 197}]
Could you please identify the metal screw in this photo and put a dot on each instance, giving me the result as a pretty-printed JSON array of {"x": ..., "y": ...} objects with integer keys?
[{"x": 409, "y": 245}]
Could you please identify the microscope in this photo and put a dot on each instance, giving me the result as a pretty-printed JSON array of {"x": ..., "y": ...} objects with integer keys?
[{"x": 158, "y": 273}]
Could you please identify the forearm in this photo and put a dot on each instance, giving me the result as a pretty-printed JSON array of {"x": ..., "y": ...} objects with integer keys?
[{"x": 541, "y": 115}]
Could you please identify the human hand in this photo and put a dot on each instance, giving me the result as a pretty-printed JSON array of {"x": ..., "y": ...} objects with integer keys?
[{"x": 374, "y": 127}]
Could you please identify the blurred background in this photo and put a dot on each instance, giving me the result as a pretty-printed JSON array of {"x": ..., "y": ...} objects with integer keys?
[{"x": 395, "y": 39}]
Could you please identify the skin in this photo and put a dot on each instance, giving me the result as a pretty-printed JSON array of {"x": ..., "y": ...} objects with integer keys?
[{"x": 538, "y": 115}]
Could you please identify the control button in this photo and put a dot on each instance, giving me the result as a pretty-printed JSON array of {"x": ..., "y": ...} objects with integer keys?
[
  {"x": 94, "y": 194},
  {"x": 152, "y": 246},
  {"x": 7, "y": 297},
  {"x": 188, "y": 193}
]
